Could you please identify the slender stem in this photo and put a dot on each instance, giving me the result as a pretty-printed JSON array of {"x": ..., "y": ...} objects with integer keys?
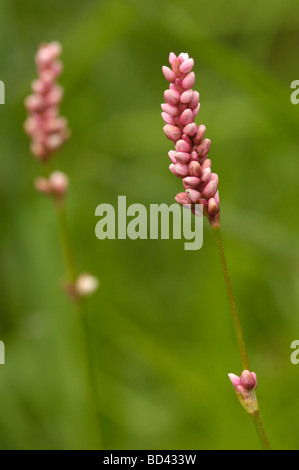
[
  {"x": 256, "y": 418},
  {"x": 65, "y": 240},
  {"x": 71, "y": 277},
  {"x": 237, "y": 324},
  {"x": 239, "y": 334}
]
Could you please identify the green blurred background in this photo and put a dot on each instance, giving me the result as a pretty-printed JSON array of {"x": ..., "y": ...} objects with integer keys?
[{"x": 160, "y": 323}]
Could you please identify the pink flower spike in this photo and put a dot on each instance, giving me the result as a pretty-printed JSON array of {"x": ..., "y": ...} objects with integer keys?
[
  {"x": 46, "y": 129},
  {"x": 189, "y": 162}
]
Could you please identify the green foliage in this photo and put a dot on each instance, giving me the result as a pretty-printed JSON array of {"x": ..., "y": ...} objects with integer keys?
[{"x": 161, "y": 329}]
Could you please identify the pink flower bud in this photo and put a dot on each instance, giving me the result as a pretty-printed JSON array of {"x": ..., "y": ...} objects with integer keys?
[
  {"x": 235, "y": 380},
  {"x": 199, "y": 136},
  {"x": 168, "y": 119},
  {"x": 182, "y": 157},
  {"x": 194, "y": 169},
  {"x": 193, "y": 195},
  {"x": 172, "y": 132},
  {"x": 186, "y": 97},
  {"x": 196, "y": 110},
  {"x": 186, "y": 117},
  {"x": 182, "y": 146},
  {"x": 172, "y": 97},
  {"x": 187, "y": 66},
  {"x": 172, "y": 169},
  {"x": 183, "y": 199},
  {"x": 248, "y": 380},
  {"x": 168, "y": 74},
  {"x": 171, "y": 155},
  {"x": 192, "y": 181},
  {"x": 172, "y": 58},
  {"x": 209, "y": 190},
  {"x": 181, "y": 169},
  {"x": 188, "y": 81},
  {"x": 190, "y": 129},
  {"x": 194, "y": 100},
  {"x": 169, "y": 109},
  {"x": 203, "y": 148},
  {"x": 59, "y": 183},
  {"x": 212, "y": 206}
]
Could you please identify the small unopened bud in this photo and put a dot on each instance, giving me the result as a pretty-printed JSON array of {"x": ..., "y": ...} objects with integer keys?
[
  {"x": 248, "y": 380},
  {"x": 245, "y": 390},
  {"x": 59, "y": 183},
  {"x": 86, "y": 284}
]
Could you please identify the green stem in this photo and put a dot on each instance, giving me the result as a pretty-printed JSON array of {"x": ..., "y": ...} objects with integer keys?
[
  {"x": 239, "y": 334},
  {"x": 71, "y": 277},
  {"x": 233, "y": 307},
  {"x": 256, "y": 418},
  {"x": 65, "y": 240}
]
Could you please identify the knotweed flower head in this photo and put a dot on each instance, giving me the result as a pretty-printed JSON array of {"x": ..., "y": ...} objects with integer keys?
[
  {"x": 47, "y": 130},
  {"x": 189, "y": 159},
  {"x": 245, "y": 386}
]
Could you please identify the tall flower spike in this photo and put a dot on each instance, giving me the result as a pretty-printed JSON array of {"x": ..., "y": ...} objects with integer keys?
[
  {"x": 47, "y": 130},
  {"x": 189, "y": 159}
]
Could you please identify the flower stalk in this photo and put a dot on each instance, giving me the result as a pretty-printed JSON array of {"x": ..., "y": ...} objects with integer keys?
[
  {"x": 48, "y": 131},
  {"x": 191, "y": 164}
]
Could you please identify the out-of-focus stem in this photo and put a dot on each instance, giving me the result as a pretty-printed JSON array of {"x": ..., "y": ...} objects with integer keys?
[
  {"x": 65, "y": 240},
  {"x": 239, "y": 334},
  {"x": 71, "y": 277}
]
